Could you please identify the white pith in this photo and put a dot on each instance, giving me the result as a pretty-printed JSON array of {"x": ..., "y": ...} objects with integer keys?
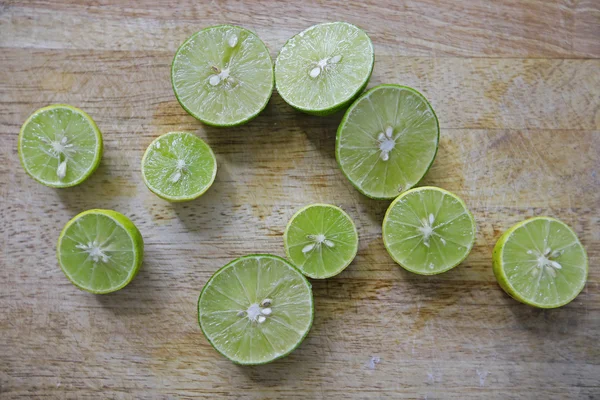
[
  {"x": 180, "y": 168},
  {"x": 546, "y": 262},
  {"x": 258, "y": 312},
  {"x": 386, "y": 143},
  {"x": 317, "y": 240},
  {"x": 323, "y": 65},
  {"x": 427, "y": 228},
  {"x": 95, "y": 251},
  {"x": 222, "y": 75},
  {"x": 61, "y": 149}
]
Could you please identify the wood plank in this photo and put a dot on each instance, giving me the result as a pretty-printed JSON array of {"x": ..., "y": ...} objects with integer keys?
[
  {"x": 433, "y": 28},
  {"x": 134, "y": 87},
  {"x": 515, "y": 85},
  {"x": 237, "y": 218}
]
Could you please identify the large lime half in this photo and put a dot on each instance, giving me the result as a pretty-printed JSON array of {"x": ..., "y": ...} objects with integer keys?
[
  {"x": 223, "y": 75},
  {"x": 322, "y": 69},
  {"x": 428, "y": 230},
  {"x": 387, "y": 141},
  {"x": 100, "y": 251},
  {"x": 541, "y": 262},
  {"x": 60, "y": 146},
  {"x": 256, "y": 309}
]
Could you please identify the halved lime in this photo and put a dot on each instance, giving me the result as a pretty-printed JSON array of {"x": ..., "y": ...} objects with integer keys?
[
  {"x": 223, "y": 75},
  {"x": 100, "y": 251},
  {"x": 321, "y": 240},
  {"x": 323, "y": 68},
  {"x": 256, "y": 309},
  {"x": 428, "y": 230},
  {"x": 387, "y": 141},
  {"x": 541, "y": 262},
  {"x": 179, "y": 166},
  {"x": 60, "y": 146}
]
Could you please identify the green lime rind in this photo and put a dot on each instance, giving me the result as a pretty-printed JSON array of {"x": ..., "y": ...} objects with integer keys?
[
  {"x": 424, "y": 271},
  {"x": 504, "y": 281},
  {"x": 342, "y": 103},
  {"x": 342, "y": 266},
  {"x": 128, "y": 226},
  {"x": 345, "y": 119},
  {"x": 97, "y": 155},
  {"x": 235, "y": 261},
  {"x": 183, "y": 198},
  {"x": 208, "y": 121}
]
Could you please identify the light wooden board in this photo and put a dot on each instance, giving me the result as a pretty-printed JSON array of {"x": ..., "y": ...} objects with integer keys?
[{"x": 516, "y": 86}]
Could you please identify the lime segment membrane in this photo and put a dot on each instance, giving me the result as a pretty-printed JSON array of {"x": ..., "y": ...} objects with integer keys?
[
  {"x": 100, "y": 251},
  {"x": 179, "y": 166},
  {"x": 325, "y": 67},
  {"x": 60, "y": 146},
  {"x": 321, "y": 240},
  {"x": 223, "y": 75},
  {"x": 256, "y": 309},
  {"x": 428, "y": 230},
  {"x": 387, "y": 141},
  {"x": 541, "y": 262}
]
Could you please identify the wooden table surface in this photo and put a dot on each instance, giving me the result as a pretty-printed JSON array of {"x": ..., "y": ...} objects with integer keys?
[{"x": 516, "y": 85}]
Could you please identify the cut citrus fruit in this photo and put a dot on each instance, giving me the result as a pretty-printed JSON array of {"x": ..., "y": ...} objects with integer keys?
[
  {"x": 256, "y": 309},
  {"x": 100, "y": 251},
  {"x": 428, "y": 230},
  {"x": 323, "y": 68},
  {"x": 179, "y": 166},
  {"x": 60, "y": 146},
  {"x": 321, "y": 240},
  {"x": 223, "y": 75},
  {"x": 387, "y": 141},
  {"x": 541, "y": 262}
]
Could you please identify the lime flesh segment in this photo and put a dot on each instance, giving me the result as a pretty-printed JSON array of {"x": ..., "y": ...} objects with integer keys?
[
  {"x": 256, "y": 309},
  {"x": 428, "y": 230},
  {"x": 387, "y": 141},
  {"x": 223, "y": 75},
  {"x": 100, "y": 251},
  {"x": 321, "y": 240},
  {"x": 541, "y": 262},
  {"x": 179, "y": 166},
  {"x": 325, "y": 67},
  {"x": 60, "y": 146}
]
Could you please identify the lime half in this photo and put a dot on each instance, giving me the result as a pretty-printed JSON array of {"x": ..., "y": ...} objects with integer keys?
[
  {"x": 387, "y": 141},
  {"x": 60, "y": 146},
  {"x": 179, "y": 166},
  {"x": 256, "y": 309},
  {"x": 100, "y": 251},
  {"x": 321, "y": 240},
  {"x": 323, "y": 68},
  {"x": 428, "y": 230},
  {"x": 541, "y": 262},
  {"x": 223, "y": 75}
]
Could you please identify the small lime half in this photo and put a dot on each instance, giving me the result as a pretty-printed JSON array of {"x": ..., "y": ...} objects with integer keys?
[
  {"x": 321, "y": 240},
  {"x": 179, "y": 166},
  {"x": 256, "y": 309},
  {"x": 541, "y": 262},
  {"x": 223, "y": 75},
  {"x": 60, "y": 146},
  {"x": 100, "y": 251}
]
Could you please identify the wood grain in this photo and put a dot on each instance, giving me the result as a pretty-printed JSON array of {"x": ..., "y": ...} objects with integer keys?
[{"x": 516, "y": 85}]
